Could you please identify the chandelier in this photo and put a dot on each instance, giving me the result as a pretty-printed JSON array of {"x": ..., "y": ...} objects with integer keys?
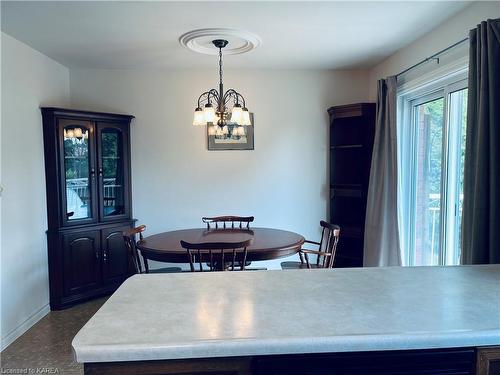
[{"x": 217, "y": 109}]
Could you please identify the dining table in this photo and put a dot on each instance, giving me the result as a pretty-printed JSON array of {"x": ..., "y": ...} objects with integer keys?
[{"x": 267, "y": 243}]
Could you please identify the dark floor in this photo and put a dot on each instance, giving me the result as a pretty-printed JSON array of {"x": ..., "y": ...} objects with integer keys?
[{"x": 46, "y": 347}]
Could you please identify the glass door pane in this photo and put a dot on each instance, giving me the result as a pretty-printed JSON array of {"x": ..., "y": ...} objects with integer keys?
[
  {"x": 78, "y": 170},
  {"x": 112, "y": 171},
  {"x": 429, "y": 154},
  {"x": 457, "y": 131}
]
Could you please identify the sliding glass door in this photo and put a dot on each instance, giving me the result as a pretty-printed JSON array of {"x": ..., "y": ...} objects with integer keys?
[{"x": 433, "y": 136}]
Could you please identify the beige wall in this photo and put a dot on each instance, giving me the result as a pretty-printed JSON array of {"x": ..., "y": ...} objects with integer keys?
[
  {"x": 29, "y": 80},
  {"x": 451, "y": 31},
  {"x": 176, "y": 180}
]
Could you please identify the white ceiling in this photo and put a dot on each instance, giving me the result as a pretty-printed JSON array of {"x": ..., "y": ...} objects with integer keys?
[{"x": 327, "y": 35}]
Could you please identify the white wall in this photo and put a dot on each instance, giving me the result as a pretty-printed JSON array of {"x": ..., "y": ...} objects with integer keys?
[
  {"x": 176, "y": 180},
  {"x": 29, "y": 80},
  {"x": 448, "y": 33}
]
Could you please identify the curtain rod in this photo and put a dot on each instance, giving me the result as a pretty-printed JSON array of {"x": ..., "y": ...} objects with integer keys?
[{"x": 433, "y": 57}]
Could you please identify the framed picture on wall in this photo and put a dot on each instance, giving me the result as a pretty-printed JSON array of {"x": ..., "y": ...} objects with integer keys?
[{"x": 231, "y": 137}]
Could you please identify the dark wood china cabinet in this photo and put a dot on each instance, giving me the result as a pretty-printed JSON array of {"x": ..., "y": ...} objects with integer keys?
[{"x": 87, "y": 169}]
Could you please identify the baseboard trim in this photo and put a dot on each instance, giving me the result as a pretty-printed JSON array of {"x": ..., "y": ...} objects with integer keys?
[{"x": 24, "y": 326}]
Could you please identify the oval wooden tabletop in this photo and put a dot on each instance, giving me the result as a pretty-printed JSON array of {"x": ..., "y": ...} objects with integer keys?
[{"x": 267, "y": 243}]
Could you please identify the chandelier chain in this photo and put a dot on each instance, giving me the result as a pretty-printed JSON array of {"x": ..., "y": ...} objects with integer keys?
[{"x": 220, "y": 66}]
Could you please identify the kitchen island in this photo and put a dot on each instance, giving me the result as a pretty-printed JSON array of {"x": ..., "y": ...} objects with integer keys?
[{"x": 398, "y": 320}]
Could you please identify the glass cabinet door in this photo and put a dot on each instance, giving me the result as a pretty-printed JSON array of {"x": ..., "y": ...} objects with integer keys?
[
  {"x": 112, "y": 171},
  {"x": 76, "y": 137}
]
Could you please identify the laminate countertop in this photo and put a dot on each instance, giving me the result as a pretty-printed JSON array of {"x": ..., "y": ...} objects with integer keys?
[{"x": 223, "y": 314}]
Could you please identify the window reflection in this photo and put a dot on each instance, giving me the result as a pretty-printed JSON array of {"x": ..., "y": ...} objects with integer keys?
[
  {"x": 77, "y": 165},
  {"x": 112, "y": 172}
]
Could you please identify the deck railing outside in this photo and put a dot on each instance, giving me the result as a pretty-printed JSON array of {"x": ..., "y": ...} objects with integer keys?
[{"x": 81, "y": 187}]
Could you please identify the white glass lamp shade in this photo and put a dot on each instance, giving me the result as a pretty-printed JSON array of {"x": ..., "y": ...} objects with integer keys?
[
  {"x": 237, "y": 130},
  {"x": 225, "y": 130},
  {"x": 70, "y": 133},
  {"x": 199, "y": 118},
  {"x": 212, "y": 130},
  {"x": 78, "y": 133},
  {"x": 245, "y": 117},
  {"x": 209, "y": 113},
  {"x": 236, "y": 114}
]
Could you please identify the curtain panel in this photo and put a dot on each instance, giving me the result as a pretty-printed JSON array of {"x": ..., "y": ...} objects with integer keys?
[
  {"x": 481, "y": 205},
  {"x": 381, "y": 242}
]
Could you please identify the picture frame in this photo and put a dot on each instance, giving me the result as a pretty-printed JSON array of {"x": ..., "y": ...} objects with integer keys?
[{"x": 231, "y": 141}]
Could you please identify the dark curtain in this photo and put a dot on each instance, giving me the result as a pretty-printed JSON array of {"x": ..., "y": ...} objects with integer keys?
[
  {"x": 381, "y": 245},
  {"x": 481, "y": 205}
]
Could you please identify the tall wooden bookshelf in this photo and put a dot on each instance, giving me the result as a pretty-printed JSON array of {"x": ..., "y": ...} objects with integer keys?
[{"x": 352, "y": 129}]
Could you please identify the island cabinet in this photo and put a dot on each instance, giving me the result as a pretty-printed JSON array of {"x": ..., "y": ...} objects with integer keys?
[
  {"x": 87, "y": 169},
  {"x": 352, "y": 129},
  {"x": 411, "y": 362},
  {"x": 368, "y": 321}
]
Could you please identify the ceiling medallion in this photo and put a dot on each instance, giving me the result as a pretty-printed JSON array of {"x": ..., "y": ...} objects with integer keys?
[{"x": 239, "y": 41}]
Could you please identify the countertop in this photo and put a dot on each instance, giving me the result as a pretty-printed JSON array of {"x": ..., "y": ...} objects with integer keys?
[{"x": 222, "y": 314}]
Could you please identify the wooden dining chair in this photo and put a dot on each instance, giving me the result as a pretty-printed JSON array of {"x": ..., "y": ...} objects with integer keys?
[
  {"x": 134, "y": 261},
  {"x": 223, "y": 222},
  {"x": 232, "y": 222},
  {"x": 219, "y": 256},
  {"x": 325, "y": 255}
]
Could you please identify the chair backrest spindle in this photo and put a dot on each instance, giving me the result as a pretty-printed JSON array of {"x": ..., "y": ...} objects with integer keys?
[
  {"x": 214, "y": 253},
  {"x": 225, "y": 220},
  {"x": 129, "y": 237},
  {"x": 329, "y": 238}
]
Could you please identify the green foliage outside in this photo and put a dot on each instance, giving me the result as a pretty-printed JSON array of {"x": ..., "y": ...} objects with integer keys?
[
  {"x": 434, "y": 113},
  {"x": 76, "y": 154}
]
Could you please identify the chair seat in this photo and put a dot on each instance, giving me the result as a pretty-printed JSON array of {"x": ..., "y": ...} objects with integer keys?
[
  {"x": 166, "y": 270},
  {"x": 297, "y": 265}
]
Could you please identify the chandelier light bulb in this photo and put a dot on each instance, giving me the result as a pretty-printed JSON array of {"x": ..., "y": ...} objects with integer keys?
[
  {"x": 236, "y": 114},
  {"x": 78, "y": 132},
  {"x": 209, "y": 113},
  {"x": 245, "y": 117},
  {"x": 199, "y": 118}
]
